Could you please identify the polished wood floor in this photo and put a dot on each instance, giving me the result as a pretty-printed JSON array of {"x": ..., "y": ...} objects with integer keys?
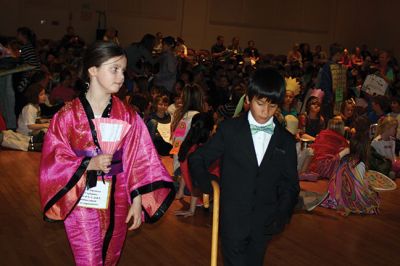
[{"x": 322, "y": 237}]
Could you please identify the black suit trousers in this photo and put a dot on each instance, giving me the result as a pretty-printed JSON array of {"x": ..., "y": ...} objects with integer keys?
[{"x": 249, "y": 251}]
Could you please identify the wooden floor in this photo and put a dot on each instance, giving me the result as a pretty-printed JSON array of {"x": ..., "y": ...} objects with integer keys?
[{"x": 319, "y": 238}]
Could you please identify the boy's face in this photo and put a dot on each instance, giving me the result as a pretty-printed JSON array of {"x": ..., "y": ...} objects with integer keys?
[
  {"x": 261, "y": 109},
  {"x": 395, "y": 106}
]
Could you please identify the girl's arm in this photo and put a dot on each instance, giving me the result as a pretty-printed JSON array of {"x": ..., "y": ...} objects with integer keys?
[{"x": 38, "y": 126}]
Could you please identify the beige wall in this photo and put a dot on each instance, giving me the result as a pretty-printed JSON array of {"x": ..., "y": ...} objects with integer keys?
[{"x": 274, "y": 24}]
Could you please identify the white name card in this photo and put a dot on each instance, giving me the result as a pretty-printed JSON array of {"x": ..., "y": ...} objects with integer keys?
[{"x": 96, "y": 197}]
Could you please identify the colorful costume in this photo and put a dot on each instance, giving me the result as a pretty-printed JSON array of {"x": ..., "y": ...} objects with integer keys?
[
  {"x": 97, "y": 235},
  {"x": 326, "y": 147},
  {"x": 349, "y": 191}
]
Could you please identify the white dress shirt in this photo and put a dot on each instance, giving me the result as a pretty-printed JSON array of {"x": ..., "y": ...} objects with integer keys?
[{"x": 260, "y": 139}]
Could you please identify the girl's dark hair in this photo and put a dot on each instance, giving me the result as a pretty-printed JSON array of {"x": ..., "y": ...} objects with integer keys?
[
  {"x": 267, "y": 83},
  {"x": 32, "y": 93},
  {"x": 199, "y": 132},
  {"x": 28, "y": 34},
  {"x": 98, "y": 53},
  {"x": 192, "y": 100},
  {"x": 359, "y": 148},
  {"x": 38, "y": 76}
]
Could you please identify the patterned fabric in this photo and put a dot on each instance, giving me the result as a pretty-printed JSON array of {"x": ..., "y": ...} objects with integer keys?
[
  {"x": 349, "y": 192},
  {"x": 326, "y": 147}
]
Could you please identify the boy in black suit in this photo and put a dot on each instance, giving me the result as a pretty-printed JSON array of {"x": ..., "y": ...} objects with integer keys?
[{"x": 259, "y": 182}]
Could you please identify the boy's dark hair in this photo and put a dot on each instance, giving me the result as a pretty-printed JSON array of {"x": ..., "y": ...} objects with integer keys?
[
  {"x": 28, "y": 34},
  {"x": 200, "y": 129},
  {"x": 169, "y": 40},
  {"x": 32, "y": 93},
  {"x": 395, "y": 98},
  {"x": 66, "y": 73},
  {"x": 382, "y": 101},
  {"x": 267, "y": 83},
  {"x": 140, "y": 102},
  {"x": 38, "y": 76},
  {"x": 335, "y": 48}
]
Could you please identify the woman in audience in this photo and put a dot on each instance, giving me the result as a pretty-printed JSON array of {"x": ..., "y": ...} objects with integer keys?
[{"x": 166, "y": 76}]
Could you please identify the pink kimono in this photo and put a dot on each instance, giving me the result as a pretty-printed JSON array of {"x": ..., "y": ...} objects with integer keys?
[{"x": 97, "y": 235}]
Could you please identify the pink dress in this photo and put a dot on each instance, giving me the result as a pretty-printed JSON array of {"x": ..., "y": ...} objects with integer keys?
[{"x": 97, "y": 236}]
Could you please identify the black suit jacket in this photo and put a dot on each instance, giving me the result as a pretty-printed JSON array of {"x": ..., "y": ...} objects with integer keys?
[{"x": 255, "y": 200}]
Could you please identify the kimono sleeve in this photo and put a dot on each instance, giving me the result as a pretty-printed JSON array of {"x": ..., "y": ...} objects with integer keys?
[
  {"x": 147, "y": 175},
  {"x": 62, "y": 174}
]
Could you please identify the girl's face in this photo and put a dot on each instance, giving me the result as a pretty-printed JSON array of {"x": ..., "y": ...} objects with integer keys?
[
  {"x": 348, "y": 111},
  {"x": 108, "y": 77},
  {"x": 289, "y": 96},
  {"x": 391, "y": 131},
  {"x": 42, "y": 98},
  {"x": 395, "y": 106},
  {"x": 315, "y": 107}
]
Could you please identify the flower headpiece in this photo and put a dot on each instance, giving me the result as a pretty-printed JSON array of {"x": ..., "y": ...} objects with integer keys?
[{"x": 292, "y": 85}]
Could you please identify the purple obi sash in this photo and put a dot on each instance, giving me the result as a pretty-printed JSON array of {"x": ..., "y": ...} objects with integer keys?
[{"x": 116, "y": 163}]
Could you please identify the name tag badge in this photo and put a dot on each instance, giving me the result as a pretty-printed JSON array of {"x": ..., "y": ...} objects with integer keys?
[{"x": 96, "y": 197}]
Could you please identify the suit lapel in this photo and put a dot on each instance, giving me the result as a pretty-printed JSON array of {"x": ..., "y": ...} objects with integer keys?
[
  {"x": 275, "y": 138},
  {"x": 246, "y": 140}
]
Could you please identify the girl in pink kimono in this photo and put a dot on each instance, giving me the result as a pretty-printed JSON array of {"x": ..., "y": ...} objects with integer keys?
[{"x": 136, "y": 185}]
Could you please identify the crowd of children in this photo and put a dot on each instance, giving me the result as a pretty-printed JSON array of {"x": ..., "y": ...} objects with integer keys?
[{"x": 183, "y": 98}]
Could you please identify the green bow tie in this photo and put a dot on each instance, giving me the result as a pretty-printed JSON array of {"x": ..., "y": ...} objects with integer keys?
[{"x": 267, "y": 129}]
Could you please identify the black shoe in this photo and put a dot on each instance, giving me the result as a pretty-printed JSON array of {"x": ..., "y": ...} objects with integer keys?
[
  {"x": 38, "y": 138},
  {"x": 35, "y": 147}
]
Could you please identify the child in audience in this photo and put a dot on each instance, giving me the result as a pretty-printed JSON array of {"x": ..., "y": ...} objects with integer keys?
[
  {"x": 312, "y": 122},
  {"x": 200, "y": 130},
  {"x": 192, "y": 103},
  {"x": 292, "y": 90},
  {"x": 159, "y": 125},
  {"x": 348, "y": 190},
  {"x": 28, "y": 121},
  {"x": 347, "y": 115},
  {"x": 395, "y": 112},
  {"x": 379, "y": 106},
  {"x": 383, "y": 156},
  {"x": 326, "y": 148}
]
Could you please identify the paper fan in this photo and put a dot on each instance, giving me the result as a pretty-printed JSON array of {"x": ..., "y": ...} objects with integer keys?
[
  {"x": 379, "y": 181},
  {"x": 110, "y": 133}
]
